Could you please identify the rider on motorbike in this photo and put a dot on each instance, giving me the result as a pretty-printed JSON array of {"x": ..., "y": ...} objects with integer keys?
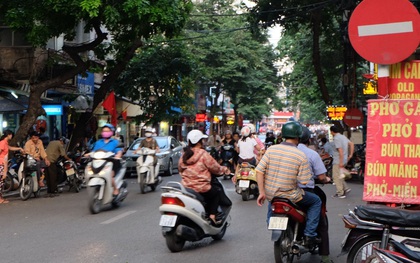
[
  {"x": 196, "y": 168},
  {"x": 35, "y": 148},
  {"x": 151, "y": 143},
  {"x": 280, "y": 170},
  {"x": 107, "y": 143}
]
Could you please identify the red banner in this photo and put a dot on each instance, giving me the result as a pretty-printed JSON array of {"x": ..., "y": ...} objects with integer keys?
[
  {"x": 404, "y": 80},
  {"x": 393, "y": 152}
]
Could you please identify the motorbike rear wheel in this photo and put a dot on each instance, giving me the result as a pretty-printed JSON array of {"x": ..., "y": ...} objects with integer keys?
[
  {"x": 142, "y": 183},
  {"x": 363, "y": 249},
  {"x": 8, "y": 184},
  {"x": 26, "y": 188},
  {"x": 281, "y": 246},
  {"x": 174, "y": 242},
  {"x": 245, "y": 195},
  {"x": 95, "y": 205}
]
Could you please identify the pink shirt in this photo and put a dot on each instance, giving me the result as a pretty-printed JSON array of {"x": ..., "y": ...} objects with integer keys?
[{"x": 4, "y": 150}]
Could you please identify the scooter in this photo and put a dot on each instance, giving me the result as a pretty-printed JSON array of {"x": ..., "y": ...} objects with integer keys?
[
  {"x": 400, "y": 253},
  {"x": 12, "y": 180},
  {"x": 99, "y": 181},
  {"x": 374, "y": 226},
  {"x": 226, "y": 155},
  {"x": 147, "y": 174},
  {"x": 246, "y": 181},
  {"x": 68, "y": 173},
  {"x": 28, "y": 179},
  {"x": 184, "y": 218},
  {"x": 287, "y": 223}
]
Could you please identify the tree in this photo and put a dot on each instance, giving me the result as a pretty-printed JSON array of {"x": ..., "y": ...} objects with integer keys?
[
  {"x": 130, "y": 23},
  {"x": 232, "y": 61},
  {"x": 160, "y": 75}
]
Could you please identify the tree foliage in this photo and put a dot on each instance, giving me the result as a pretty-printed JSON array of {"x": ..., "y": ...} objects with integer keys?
[{"x": 129, "y": 23}]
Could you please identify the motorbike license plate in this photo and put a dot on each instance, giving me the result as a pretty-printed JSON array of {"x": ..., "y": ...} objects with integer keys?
[
  {"x": 70, "y": 172},
  {"x": 278, "y": 223},
  {"x": 168, "y": 220},
  {"x": 244, "y": 183}
]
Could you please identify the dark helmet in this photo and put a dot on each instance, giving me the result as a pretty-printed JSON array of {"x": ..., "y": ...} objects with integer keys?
[
  {"x": 291, "y": 129},
  {"x": 110, "y": 126},
  {"x": 306, "y": 135}
]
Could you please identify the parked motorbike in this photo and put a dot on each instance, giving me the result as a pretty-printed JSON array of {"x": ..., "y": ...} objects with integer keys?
[
  {"x": 147, "y": 173},
  {"x": 400, "y": 253},
  {"x": 184, "y": 218},
  {"x": 28, "y": 179},
  {"x": 99, "y": 181},
  {"x": 246, "y": 181},
  {"x": 356, "y": 164},
  {"x": 287, "y": 223},
  {"x": 68, "y": 173},
  {"x": 12, "y": 180},
  {"x": 226, "y": 155},
  {"x": 374, "y": 226},
  {"x": 78, "y": 156}
]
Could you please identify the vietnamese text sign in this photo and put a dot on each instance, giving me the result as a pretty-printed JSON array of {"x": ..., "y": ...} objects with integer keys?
[
  {"x": 404, "y": 80},
  {"x": 393, "y": 152}
]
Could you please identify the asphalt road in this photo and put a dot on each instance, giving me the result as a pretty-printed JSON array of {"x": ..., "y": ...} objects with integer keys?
[{"x": 61, "y": 229}]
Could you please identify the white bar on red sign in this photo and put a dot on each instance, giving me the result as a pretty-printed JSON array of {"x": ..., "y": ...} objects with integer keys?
[{"x": 385, "y": 29}]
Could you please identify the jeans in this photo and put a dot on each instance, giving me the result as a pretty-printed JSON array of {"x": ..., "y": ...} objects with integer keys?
[{"x": 312, "y": 203}]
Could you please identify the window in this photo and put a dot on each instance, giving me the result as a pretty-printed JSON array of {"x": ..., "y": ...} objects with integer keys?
[{"x": 10, "y": 38}]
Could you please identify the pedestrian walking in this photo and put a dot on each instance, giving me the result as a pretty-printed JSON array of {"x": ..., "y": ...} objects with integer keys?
[{"x": 343, "y": 151}]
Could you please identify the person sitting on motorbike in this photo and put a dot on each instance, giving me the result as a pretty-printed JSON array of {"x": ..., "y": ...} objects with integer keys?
[
  {"x": 55, "y": 150},
  {"x": 108, "y": 144},
  {"x": 258, "y": 152},
  {"x": 151, "y": 143},
  {"x": 35, "y": 148},
  {"x": 196, "y": 167},
  {"x": 215, "y": 142},
  {"x": 318, "y": 171},
  {"x": 270, "y": 138},
  {"x": 246, "y": 146},
  {"x": 228, "y": 138},
  {"x": 280, "y": 170}
]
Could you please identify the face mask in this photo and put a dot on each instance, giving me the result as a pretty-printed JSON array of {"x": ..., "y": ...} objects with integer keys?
[
  {"x": 107, "y": 135},
  {"x": 148, "y": 134}
]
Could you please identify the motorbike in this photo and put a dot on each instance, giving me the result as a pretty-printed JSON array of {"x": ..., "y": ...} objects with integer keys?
[
  {"x": 374, "y": 226},
  {"x": 184, "y": 218},
  {"x": 68, "y": 173},
  {"x": 246, "y": 181},
  {"x": 12, "y": 180},
  {"x": 99, "y": 181},
  {"x": 28, "y": 179},
  {"x": 147, "y": 173},
  {"x": 226, "y": 155},
  {"x": 81, "y": 161},
  {"x": 287, "y": 223},
  {"x": 356, "y": 164},
  {"x": 212, "y": 151},
  {"x": 400, "y": 253}
]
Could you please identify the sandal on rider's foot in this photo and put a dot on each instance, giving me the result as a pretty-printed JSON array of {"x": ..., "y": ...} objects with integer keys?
[
  {"x": 215, "y": 223},
  {"x": 115, "y": 195},
  {"x": 3, "y": 201}
]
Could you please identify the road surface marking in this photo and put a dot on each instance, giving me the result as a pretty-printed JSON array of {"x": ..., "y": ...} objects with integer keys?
[
  {"x": 118, "y": 217},
  {"x": 385, "y": 29}
]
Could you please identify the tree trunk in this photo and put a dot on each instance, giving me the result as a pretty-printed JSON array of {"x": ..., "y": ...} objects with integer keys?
[{"x": 316, "y": 56}]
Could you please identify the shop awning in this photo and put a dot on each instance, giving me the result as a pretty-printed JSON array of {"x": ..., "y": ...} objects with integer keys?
[{"x": 8, "y": 105}]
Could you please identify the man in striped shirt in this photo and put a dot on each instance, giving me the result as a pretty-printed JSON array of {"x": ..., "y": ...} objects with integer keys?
[{"x": 280, "y": 170}]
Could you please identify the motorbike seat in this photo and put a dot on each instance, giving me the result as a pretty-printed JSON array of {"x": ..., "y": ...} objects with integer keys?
[
  {"x": 196, "y": 194},
  {"x": 285, "y": 200},
  {"x": 413, "y": 255},
  {"x": 388, "y": 215}
]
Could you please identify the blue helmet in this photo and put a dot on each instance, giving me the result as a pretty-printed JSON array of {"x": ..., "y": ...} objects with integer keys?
[{"x": 110, "y": 126}]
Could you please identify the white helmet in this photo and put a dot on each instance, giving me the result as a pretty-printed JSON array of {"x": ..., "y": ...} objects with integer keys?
[
  {"x": 245, "y": 131},
  {"x": 195, "y": 136},
  {"x": 149, "y": 129},
  {"x": 252, "y": 127}
]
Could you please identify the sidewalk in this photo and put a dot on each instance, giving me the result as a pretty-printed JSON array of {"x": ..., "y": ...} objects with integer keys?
[{"x": 16, "y": 192}]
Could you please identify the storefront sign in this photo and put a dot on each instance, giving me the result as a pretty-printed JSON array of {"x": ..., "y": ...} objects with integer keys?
[
  {"x": 392, "y": 152},
  {"x": 86, "y": 83},
  {"x": 200, "y": 117},
  {"x": 53, "y": 109},
  {"x": 336, "y": 113},
  {"x": 404, "y": 80}
]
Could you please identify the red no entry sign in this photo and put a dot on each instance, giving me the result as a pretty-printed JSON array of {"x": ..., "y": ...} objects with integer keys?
[
  {"x": 353, "y": 117},
  {"x": 385, "y": 31}
]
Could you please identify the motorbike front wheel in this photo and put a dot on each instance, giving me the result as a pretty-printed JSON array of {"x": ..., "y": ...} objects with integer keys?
[
  {"x": 95, "y": 204},
  {"x": 221, "y": 234},
  {"x": 363, "y": 249},
  {"x": 142, "y": 183},
  {"x": 26, "y": 188},
  {"x": 282, "y": 245},
  {"x": 174, "y": 242}
]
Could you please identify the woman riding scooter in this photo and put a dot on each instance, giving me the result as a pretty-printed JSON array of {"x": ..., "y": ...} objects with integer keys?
[{"x": 196, "y": 168}]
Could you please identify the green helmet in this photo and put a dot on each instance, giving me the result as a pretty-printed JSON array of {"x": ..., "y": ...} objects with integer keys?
[
  {"x": 291, "y": 129},
  {"x": 305, "y": 136}
]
